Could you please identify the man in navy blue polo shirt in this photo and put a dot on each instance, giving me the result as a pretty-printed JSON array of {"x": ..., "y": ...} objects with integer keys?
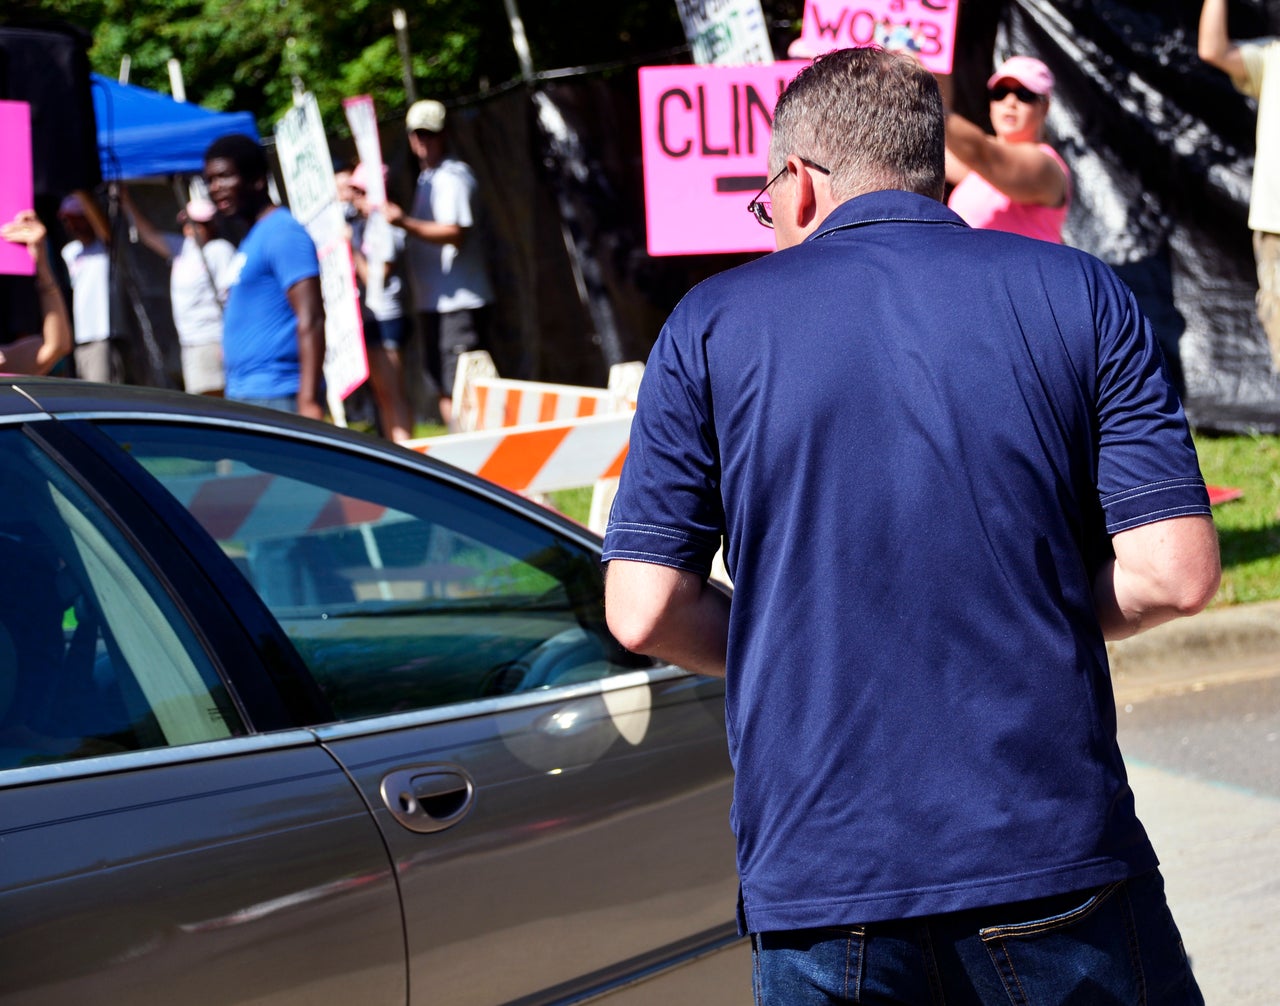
[{"x": 946, "y": 465}]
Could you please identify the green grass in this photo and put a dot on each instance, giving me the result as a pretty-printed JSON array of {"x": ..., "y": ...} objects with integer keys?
[{"x": 1248, "y": 528}]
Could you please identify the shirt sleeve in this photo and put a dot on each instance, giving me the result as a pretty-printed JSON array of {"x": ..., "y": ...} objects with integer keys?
[
  {"x": 452, "y": 192},
  {"x": 293, "y": 255},
  {"x": 668, "y": 509},
  {"x": 1254, "y": 54},
  {"x": 1147, "y": 465}
]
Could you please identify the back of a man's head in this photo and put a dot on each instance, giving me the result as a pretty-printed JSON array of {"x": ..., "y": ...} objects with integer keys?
[{"x": 871, "y": 117}]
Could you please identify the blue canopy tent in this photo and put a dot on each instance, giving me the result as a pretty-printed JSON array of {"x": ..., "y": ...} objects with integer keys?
[{"x": 142, "y": 133}]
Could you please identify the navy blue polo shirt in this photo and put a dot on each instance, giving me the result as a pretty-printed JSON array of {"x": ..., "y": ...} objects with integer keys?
[{"x": 915, "y": 439}]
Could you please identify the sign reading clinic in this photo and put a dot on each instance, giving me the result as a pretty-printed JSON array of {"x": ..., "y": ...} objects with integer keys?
[
  {"x": 924, "y": 27},
  {"x": 705, "y": 145}
]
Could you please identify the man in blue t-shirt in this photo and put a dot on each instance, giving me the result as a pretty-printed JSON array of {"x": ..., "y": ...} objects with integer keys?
[
  {"x": 273, "y": 326},
  {"x": 946, "y": 465}
]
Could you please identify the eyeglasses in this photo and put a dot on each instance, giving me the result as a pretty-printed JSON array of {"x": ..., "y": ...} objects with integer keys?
[
  {"x": 1024, "y": 94},
  {"x": 761, "y": 207}
]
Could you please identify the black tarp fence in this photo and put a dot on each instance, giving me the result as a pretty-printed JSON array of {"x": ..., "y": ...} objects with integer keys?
[{"x": 1160, "y": 147}]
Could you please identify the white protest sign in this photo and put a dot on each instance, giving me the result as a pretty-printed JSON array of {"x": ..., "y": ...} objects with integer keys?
[
  {"x": 726, "y": 32},
  {"x": 307, "y": 170},
  {"x": 378, "y": 247}
]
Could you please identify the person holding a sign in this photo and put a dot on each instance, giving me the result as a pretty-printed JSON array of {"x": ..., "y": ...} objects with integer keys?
[
  {"x": 945, "y": 466},
  {"x": 273, "y": 326},
  {"x": 1012, "y": 181},
  {"x": 448, "y": 277},
  {"x": 383, "y": 314},
  {"x": 197, "y": 287},
  {"x": 100, "y": 353},
  {"x": 32, "y": 353},
  {"x": 1254, "y": 69}
]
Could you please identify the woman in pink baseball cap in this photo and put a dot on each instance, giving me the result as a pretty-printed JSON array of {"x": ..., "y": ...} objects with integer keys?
[{"x": 1012, "y": 181}]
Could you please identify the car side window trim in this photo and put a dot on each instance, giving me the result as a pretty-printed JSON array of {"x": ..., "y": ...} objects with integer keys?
[{"x": 147, "y": 758}]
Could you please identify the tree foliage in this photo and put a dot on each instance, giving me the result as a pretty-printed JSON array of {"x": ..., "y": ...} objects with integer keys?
[{"x": 248, "y": 55}]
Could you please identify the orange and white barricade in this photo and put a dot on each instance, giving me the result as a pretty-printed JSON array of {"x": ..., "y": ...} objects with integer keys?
[{"x": 535, "y": 437}]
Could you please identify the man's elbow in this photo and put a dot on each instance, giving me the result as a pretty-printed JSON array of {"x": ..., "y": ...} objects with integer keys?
[
  {"x": 1192, "y": 592},
  {"x": 635, "y": 629}
]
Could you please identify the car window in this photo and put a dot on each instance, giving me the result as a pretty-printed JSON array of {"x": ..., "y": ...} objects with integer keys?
[
  {"x": 399, "y": 591},
  {"x": 95, "y": 658}
]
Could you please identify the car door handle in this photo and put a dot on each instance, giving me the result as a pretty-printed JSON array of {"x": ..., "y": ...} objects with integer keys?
[{"x": 427, "y": 798}]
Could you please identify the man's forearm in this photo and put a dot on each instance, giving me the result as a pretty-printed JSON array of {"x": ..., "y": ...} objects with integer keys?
[{"x": 432, "y": 231}]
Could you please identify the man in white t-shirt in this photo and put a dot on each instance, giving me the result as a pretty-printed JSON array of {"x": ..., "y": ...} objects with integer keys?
[
  {"x": 1254, "y": 69},
  {"x": 197, "y": 288},
  {"x": 445, "y": 257},
  {"x": 98, "y": 356}
]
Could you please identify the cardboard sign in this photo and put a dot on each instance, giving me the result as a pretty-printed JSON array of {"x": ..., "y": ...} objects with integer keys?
[
  {"x": 926, "y": 28},
  {"x": 16, "y": 186},
  {"x": 705, "y": 144},
  {"x": 307, "y": 169},
  {"x": 726, "y": 32}
]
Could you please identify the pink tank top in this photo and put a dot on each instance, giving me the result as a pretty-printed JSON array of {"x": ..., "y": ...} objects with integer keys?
[{"x": 981, "y": 204}]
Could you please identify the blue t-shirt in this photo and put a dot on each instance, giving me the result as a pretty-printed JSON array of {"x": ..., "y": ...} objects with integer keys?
[
  {"x": 260, "y": 330},
  {"x": 915, "y": 438}
]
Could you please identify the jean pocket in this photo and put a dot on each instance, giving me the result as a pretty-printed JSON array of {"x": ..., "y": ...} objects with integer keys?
[{"x": 1086, "y": 954}]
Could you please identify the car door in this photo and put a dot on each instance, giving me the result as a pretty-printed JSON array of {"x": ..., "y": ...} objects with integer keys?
[
  {"x": 155, "y": 844},
  {"x": 556, "y": 808}
]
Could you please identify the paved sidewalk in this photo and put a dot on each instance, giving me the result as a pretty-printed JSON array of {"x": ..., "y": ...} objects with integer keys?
[{"x": 1233, "y": 643}]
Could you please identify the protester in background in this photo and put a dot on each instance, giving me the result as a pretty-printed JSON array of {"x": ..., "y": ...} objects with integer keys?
[
  {"x": 37, "y": 354},
  {"x": 100, "y": 354},
  {"x": 197, "y": 287},
  {"x": 1012, "y": 181},
  {"x": 273, "y": 326},
  {"x": 1254, "y": 69},
  {"x": 382, "y": 310},
  {"x": 930, "y": 803},
  {"x": 446, "y": 266}
]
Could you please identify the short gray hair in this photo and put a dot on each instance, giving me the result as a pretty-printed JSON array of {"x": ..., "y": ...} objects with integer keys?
[{"x": 871, "y": 117}]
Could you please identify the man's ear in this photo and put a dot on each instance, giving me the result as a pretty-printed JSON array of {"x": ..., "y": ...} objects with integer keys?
[{"x": 805, "y": 205}]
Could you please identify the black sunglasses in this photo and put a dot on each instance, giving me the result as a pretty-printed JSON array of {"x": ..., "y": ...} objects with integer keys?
[
  {"x": 1024, "y": 94},
  {"x": 763, "y": 211}
]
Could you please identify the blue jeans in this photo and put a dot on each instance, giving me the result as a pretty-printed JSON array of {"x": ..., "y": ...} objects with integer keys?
[
  {"x": 1114, "y": 946},
  {"x": 281, "y": 403}
]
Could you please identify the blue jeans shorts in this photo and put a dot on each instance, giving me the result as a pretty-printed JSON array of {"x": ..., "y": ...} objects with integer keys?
[{"x": 1113, "y": 946}]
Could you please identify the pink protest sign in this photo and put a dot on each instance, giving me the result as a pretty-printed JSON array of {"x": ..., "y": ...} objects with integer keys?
[
  {"x": 924, "y": 27},
  {"x": 706, "y": 147},
  {"x": 16, "y": 192}
]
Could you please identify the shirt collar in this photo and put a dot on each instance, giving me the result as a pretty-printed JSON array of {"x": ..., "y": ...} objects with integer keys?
[{"x": 887, "y": 206}]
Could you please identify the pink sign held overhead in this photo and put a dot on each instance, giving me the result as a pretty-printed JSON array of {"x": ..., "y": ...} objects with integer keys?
[
  {"x": 705, "y": 144},
  {"x": 16, "y": 187},
  {"x": 926, "y": 28}
]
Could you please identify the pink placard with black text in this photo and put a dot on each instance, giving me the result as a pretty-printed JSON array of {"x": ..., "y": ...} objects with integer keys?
[
  {"x": 926, "y": 28},
  {"x": 706, "y": 133},
  {"x": 16, "y": 187}
]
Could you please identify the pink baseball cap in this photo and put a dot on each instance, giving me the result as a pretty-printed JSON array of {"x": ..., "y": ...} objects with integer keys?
[
  {"x": 360, "y": 177},
  {"x": 1027, "y": 71},
  {"x": 200, "y": 211}
]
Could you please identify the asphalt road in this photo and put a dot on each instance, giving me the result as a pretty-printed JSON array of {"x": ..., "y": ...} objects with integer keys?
[{"x": 1204, "y": 762}]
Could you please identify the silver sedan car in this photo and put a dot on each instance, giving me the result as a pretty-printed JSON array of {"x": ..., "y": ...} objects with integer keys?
[{"x": 288, "y": 715}]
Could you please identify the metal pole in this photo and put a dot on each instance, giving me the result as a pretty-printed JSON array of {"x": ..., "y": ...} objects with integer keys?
[
  {"x": 519, "y": 41},
  {"x": 401, "y": 24}
]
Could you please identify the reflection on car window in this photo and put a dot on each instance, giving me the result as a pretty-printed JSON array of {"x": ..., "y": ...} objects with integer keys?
[
  {"x": 399, "y": 591},
  {"x": 94, "y": 657}
]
